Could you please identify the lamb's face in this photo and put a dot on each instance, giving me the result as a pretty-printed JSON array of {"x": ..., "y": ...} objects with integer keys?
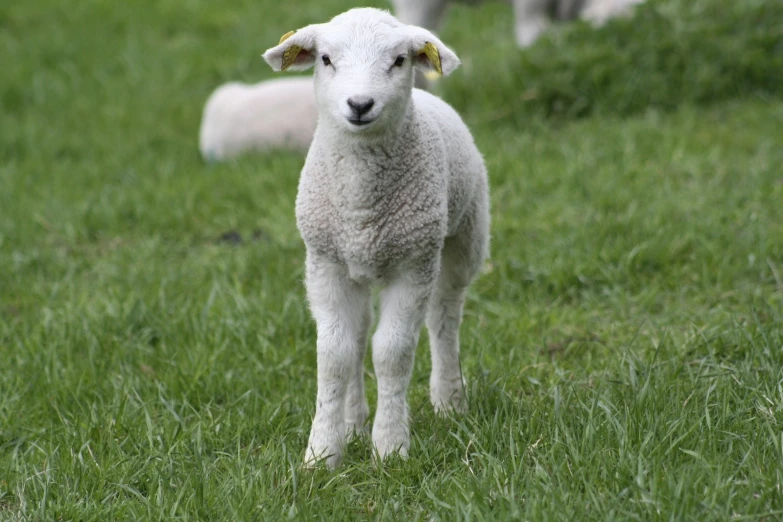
[
  {"x": 364, "y": 63},
  {"x": 363, "y": 75}
]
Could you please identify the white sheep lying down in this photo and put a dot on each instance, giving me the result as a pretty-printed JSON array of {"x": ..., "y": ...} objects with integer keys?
[
  {"x": 239, "y": 118},
  {"x": 531, "y": 17},
  {"x": 393, "y": 193}
]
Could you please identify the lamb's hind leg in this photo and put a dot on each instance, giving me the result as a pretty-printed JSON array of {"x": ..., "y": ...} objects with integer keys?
[
  {"x": 461, "y": 260},
  {"x": 356, "y": 409},
  {"x": 443, "y": 320}
]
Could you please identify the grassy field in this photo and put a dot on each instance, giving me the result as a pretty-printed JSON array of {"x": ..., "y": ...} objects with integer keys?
[{"x": 623, "y": 350}]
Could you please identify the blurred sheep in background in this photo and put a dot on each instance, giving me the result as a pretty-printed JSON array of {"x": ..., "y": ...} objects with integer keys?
[
  {"x": 239, "y": 118},
  {"x": 531, "y": 17}
]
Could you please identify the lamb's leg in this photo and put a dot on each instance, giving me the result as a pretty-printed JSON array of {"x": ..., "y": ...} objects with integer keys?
[
  {"x": 443, "y": 320},
  {"x": 356, "y": 408},
  {"x": 339, "y": 307},
  {"x": 461, "y": 261},
  {"x": 403, "y": 307},
  {"x": 531, "y": 20}
]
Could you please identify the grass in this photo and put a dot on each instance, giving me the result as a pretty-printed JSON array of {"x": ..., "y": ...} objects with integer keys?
[
  {"x": 671, "y": 53},
  {"x": 624, "y": 349}
]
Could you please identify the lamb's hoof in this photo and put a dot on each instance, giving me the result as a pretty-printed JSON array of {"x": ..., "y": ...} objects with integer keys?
[
  {"x": 448, "y": 397},
  {"x": 317, "y": 455},
  {"x": 355, "y": 421},
  {"x": 313, "y": 462},
  {"x": 356, "y": 430},
  {"x": 392, "y": 442},
  {"x": 384, "y": 451},
  {"x": 447, "y": 406}
]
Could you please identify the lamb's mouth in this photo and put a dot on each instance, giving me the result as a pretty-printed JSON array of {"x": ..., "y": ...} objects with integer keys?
[{"x": 360, "y": 123}]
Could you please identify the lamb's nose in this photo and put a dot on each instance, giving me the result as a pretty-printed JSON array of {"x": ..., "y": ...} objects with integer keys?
[{"x": 360, "y": 105}]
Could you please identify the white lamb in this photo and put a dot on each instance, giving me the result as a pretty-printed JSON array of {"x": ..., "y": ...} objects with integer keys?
[
  {"x": 239, "y": 118},
  {"x": 393, "y": 193},
  {"x": 531, "y": 17}
]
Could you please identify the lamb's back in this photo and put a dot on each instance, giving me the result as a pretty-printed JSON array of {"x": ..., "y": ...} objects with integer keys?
[{"x": 467, "y": 175}]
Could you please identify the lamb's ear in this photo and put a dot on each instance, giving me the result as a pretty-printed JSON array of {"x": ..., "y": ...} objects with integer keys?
[
  {"x": 295, "y": 52},
  {"x": 430, "y": 54}
]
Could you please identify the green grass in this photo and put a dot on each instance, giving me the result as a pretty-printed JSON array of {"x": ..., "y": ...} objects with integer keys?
[
  {"x": 673, "y": 52},
  {"x": 624, "y": 349}
]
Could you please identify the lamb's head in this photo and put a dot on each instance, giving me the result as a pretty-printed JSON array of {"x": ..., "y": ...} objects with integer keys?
[{"x": 364, "y": 60}]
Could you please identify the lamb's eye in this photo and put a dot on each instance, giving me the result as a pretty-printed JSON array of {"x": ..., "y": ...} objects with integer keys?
[
  {"x": 326, "y": 59},
  {"x": 399, "y": 61}
]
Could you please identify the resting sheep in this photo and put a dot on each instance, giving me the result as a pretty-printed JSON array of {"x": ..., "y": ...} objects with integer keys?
[
  {"x": 273, "y": 114},
  {"x": 393, "y": 193},
  {"x": 532, "y": 17}
]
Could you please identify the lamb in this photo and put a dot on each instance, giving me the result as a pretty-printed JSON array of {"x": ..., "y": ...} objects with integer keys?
[
  {"x": 393, "y": 192},
  {"x": 532, "y": 17},
  {"x": 273, "y": 114}
]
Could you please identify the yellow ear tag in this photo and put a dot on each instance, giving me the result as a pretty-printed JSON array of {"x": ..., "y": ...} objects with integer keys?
[
  {"x": 432, "y": 53},
  {"x": 286, "y": 36},
  {"x": 290, "y": 54}
]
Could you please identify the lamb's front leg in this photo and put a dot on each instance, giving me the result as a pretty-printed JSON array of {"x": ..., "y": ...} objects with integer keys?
[
  {"x": 403, "y": 307},
  {"x": 339, "y": 307}
]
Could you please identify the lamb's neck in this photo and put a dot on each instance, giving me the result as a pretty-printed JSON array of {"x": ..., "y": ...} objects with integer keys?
[
  {"x": 368, "y": 172},
  {"x": 379, "y": 150}
]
